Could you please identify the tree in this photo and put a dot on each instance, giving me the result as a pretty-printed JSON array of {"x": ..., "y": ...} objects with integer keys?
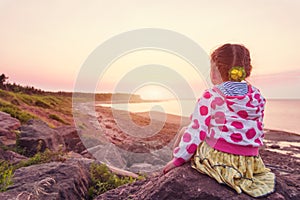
[{"x": 3, "y": 78}]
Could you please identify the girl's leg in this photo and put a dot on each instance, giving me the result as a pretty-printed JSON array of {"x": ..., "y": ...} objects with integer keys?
[{"x": 178, "y": 137}]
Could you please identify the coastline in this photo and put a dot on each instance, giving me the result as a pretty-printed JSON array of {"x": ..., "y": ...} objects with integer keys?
[
  {"x": 283, "y": 142},
  {"x": 279, "y": 114}
]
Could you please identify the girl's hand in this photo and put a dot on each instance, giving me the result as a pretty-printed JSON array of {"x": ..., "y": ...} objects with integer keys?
[{"x": 169, "y": 167}]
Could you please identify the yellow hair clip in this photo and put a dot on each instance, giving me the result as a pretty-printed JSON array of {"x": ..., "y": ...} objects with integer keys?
[{"x": 237, "y": 73}]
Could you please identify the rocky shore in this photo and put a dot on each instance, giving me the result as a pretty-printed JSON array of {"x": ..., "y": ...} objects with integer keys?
[{"x": 69, "y": 177}]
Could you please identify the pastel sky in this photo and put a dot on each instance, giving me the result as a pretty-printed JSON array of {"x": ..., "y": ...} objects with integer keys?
[{"x": 44, "y": 43}]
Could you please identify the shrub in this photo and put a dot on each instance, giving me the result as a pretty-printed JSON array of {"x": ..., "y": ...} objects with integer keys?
[{"x": 103, "y": 180}]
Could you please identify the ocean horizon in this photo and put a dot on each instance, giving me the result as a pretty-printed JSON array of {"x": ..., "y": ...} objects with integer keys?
[{"x": 280, "y": 114}]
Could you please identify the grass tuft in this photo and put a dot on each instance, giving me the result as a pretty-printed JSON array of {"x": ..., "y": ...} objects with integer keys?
[
  {"x": 103, "y": 180},
  {"x": 6, "y": 173}
]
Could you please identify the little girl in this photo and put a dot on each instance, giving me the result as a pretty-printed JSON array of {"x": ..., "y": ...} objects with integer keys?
[{"x": 226, "y": 128}]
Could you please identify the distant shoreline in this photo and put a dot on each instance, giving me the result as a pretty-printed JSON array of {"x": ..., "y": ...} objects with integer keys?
[
  {"x": 173, "y": 117},
  {"x": 278, "y": 140}
]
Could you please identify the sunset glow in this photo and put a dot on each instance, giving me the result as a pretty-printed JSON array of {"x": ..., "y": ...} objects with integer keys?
[
  {"x": 45, "y": 43},
  {"x": 153, "y": 92}
]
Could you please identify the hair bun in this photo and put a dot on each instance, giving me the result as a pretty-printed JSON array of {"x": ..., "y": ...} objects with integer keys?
[{"x": 237, "y": 73}]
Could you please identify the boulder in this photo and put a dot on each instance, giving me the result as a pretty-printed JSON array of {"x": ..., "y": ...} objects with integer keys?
[
  {"x": 7, "y": 122},
  {"x": 186, "y": 183},
  {"x": 55, "y": 180},
  {"x": 182, "y": 183},
  {"x": 36, "y": 136},
  {"x": 8, "y": 126},
  {"x": 71, "y": 138},
  {"x": 11, "y": 157}
]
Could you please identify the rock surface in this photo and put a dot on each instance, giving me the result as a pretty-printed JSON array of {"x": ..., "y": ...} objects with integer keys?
[
  {"x": 36, "y": 136},
  {"x": 8, "y": 126},
  {"x": 186, "y": 183},
  {"x": 71, "y": 139},
  {"x": 69, "y": 181},
  {"x": 11, "y": 156}
]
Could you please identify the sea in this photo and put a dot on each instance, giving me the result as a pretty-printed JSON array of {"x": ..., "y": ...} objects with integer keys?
[{"x": 280, "y": 114}]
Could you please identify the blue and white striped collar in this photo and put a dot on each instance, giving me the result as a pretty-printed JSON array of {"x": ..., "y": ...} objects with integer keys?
[{"x": 230, "y": 88}]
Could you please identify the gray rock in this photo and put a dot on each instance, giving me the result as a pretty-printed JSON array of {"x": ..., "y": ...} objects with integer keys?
[
  {"x": 36, "y": 136},
  {"x": 8, "y": 126},
  {"x": 71, "y": 138},
  {"x": 145, "y": 168},
  {"x": 7, "y": 122},
  {"x": 11, "y": 157},
  {"x": 109, "y": 154},
  {"x": 55, "y": 180},
  {"x": 186, "y": 183}
]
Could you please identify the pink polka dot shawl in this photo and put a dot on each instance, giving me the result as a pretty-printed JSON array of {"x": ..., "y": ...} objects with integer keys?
[{"x": 231, "y": 124}]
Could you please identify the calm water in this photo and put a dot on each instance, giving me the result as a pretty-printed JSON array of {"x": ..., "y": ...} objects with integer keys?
[
  {"x": 279, "y": 114},
  {"x": 283, "y": 115}
]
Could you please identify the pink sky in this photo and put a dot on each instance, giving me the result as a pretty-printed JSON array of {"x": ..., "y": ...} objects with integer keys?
[{"x": 44, "y": 43}]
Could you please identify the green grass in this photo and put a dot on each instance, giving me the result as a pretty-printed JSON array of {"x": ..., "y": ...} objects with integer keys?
[
  {"x": 57, "y": 118},
  {"x": 42, "y": 157},
  {"x": 43, "y": 101},
  {"x": 7, "y": 170},
  {"x": 103, "y": 180},
  {"x": 21, "y": 106},
  {"x": 25, "y": 98},
  {"x": 42, "y": 104},
  {"x": 15, "y": 112},
  {"x": 6, "y": 173},
  {"x": 6, "y": 95},
  {"x": 46, "y": 101}
]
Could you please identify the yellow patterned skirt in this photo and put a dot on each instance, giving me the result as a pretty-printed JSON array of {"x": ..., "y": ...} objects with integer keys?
[{"x": 242, "y": 173}]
